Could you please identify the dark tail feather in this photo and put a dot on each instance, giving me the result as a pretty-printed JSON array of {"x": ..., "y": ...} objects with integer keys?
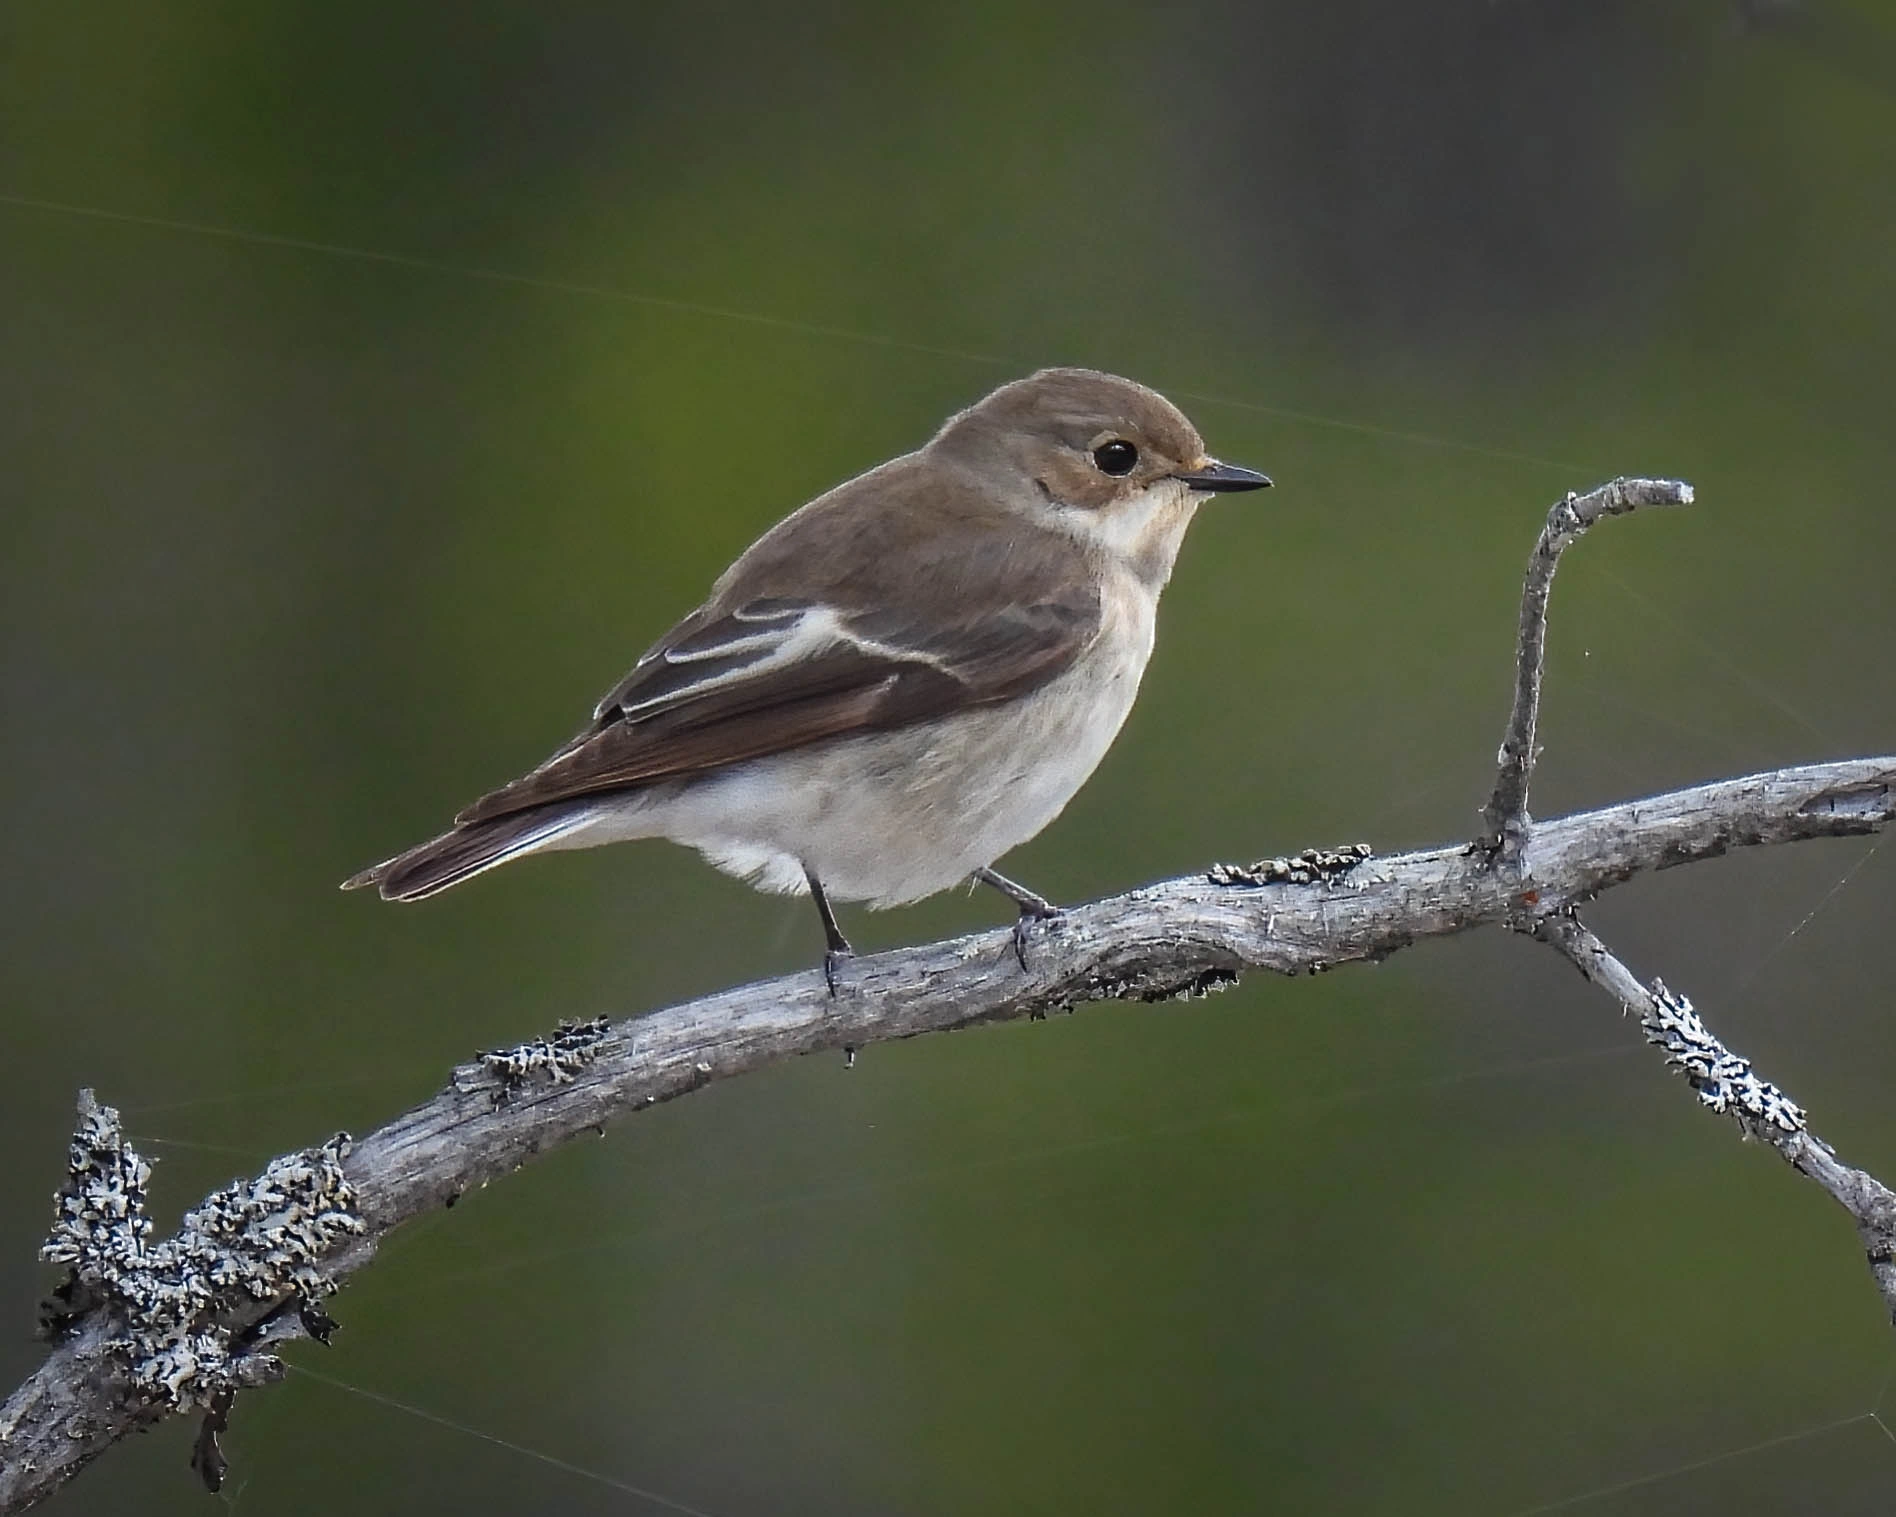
[{"x": 467, "y": 851}]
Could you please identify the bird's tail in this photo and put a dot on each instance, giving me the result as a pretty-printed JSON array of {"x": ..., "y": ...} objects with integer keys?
[{"x": 467, "y": 851}]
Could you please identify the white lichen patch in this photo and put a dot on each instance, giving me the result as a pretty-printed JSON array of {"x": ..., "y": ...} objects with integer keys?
[
  {"x": 1722, "y": 1080},
  {"x": 1314, "y": 866},
  {"x": 261, "y": 1239},
  {"x": 557, "y": 1058}
]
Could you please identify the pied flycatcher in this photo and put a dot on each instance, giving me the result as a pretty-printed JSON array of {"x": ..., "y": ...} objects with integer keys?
[{"x": 897, "y": 683}]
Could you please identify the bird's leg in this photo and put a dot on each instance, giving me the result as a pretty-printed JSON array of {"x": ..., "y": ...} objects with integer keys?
[
  {"x": 838, "y": 947},
  {"x": 1033, "y": 908}
]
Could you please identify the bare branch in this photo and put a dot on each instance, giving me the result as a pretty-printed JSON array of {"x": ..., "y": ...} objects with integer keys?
[
  {"x": 1183, "y": 937},
  {"x": 1505, "y": 814},
  {"x": 1726, "y": 1083}
]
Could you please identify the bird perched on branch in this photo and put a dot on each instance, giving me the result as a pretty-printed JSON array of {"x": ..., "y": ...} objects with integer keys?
[{"x": 897, "y": 683}]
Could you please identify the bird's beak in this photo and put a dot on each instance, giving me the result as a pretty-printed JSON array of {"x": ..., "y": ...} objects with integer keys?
[{"x": 1214, "y": 476}]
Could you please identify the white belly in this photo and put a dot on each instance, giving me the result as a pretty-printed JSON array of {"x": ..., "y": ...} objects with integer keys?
[{"x": 895, "y": 816}]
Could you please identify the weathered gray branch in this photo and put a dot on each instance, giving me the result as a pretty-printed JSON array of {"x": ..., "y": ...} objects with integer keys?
[
  {"x": 1728, "y": 1084},
  {"x": 1177, "y": 938},
  {"x": 1505, "y": 815},
  {"x": 1721, "y": 1079},
  {"x": 145, "y": 1330}
]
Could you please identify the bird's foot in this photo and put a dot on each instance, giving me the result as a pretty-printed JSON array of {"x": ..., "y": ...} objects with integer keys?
[
  {"x": 1024, "y": 924},
  {"x": 1033, "y": 908},
  {"x": 837, "y": 946}
]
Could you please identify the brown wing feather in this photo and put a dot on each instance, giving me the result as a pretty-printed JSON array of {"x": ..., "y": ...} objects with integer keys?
[
  {"x": 909, "y": 675},
  {"x": 942, "y": 601}
]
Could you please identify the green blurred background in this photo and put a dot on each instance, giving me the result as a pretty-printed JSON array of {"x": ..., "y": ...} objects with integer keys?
[{"x": 304, "y": 548}]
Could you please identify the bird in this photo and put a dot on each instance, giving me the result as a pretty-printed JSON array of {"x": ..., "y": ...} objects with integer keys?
[{"x": 899, "y": 682}]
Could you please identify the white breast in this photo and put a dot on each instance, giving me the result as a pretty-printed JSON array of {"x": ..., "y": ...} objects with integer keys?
[{"x": 892, "y": 817}]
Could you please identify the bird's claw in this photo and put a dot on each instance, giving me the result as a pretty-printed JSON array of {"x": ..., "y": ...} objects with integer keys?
[
  {"x": 833, "y": 960},
  {"x": 1024, "y": 925}
]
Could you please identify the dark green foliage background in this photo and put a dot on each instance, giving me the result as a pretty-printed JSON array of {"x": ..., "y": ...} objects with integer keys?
[{"x": 303, "y": 550}]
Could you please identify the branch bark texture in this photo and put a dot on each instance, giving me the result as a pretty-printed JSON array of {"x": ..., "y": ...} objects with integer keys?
[
  {"x": 148, "y": 1330},
  {"x": 1506, "y": 812}
]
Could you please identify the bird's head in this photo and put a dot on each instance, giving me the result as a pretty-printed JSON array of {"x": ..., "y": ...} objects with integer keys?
[{"x": 1108, "y": 462}]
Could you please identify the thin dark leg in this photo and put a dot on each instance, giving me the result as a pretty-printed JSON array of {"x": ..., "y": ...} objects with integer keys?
[
  {"x": 838, "y": 947},
  {"x": 1033, "y": 908}
]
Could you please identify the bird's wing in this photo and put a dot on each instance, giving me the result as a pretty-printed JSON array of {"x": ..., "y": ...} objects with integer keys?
[{"x": 781, "y": 672}]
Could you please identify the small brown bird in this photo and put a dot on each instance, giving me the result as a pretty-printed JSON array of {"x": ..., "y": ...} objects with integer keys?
[{"x": 896, "y": 684}]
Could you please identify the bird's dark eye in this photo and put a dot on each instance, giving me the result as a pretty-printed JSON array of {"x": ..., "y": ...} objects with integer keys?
[{"x": 1116, "y": 457}]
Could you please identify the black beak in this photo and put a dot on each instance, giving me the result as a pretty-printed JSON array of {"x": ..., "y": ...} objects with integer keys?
[{"x": 1217, "y": 476}]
